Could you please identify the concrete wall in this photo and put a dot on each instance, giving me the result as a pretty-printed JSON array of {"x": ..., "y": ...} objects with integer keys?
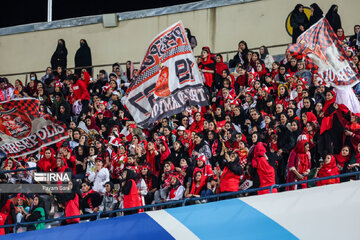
[{"x": 258, "y": 23}]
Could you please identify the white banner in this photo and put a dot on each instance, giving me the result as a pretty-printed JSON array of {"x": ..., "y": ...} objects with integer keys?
[{"x": 168, "y": 81}]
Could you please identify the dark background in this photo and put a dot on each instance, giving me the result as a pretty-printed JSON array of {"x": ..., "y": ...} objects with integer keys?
[{"x": 17, "y": 12}]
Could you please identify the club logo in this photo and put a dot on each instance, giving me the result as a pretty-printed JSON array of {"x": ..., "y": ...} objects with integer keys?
[
  {"x": 162, "y": 84},
  {"x": 15, "y": 123}
]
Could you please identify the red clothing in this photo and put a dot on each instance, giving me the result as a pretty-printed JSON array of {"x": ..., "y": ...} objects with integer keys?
[
  {"x": 2, "y": 222},
  {"x": 221, "y": 66},
  {"x": 265, "y": 170},
  {"x": 132, "y": 199},
  {"x": 72, "y": 209},
  {"x": 208, "y": 64},
  {"x": 80, "y": 91},
  {"x": 229, "y": 181},
  {"x": 326, "y": 170}
]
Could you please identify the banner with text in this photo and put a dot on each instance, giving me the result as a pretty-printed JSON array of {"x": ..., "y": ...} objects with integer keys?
[
  {"x": 24, "y": 129},
  {"x": 325, "y": 56},
  {"x": 168, "y": 81}
]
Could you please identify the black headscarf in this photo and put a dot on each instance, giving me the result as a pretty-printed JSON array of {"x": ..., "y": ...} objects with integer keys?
[
  {"x": 298, "y": 19},
  {"x": 317, "y": 14},
  {"x": 333, "y": 17},
  {"x": 59, "y": 58},
  {"x": 266, "y": 52},
  {"x": 83, "y": 58},
  {"x": 40, "y": 204}
]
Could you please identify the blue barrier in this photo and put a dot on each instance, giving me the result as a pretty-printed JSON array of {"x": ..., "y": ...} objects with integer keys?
[
  {"x": 18, "y": 170},
  {"x": 183, "y": 201}
]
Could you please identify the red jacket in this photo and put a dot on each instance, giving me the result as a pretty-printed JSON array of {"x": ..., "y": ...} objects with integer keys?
[
  {"x": 80, "y": 91},
  {"x": 229, "y": 181},
  {"x": 72, "y": 209},
  {"x": 265, "y": 170},
  {"x": 132, "y": 199}
]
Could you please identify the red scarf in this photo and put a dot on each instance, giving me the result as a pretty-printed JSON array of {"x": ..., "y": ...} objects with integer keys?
[
  {"x": 165, "y": 155},
  {"x": 304, "y": 157},
  {"x": 341, "y": 160}
]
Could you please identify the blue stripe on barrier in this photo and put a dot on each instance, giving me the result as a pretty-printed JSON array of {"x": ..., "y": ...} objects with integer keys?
[
  {"x": 137, "y": 226},
  {"x": 229, "y": 219}
]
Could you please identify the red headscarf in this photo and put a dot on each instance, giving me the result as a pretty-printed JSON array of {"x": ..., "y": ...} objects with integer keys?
[
  {"x": 304, "y": 157},
  {"x": 221, "y": 66},
  {"x": 196, "y": 190},
  {"x": 165, "y": 155},
  {"x": 329, "y": 169}
]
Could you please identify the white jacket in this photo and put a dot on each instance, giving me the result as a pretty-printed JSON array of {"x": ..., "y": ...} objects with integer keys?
[{"x": 99, "y": 179}]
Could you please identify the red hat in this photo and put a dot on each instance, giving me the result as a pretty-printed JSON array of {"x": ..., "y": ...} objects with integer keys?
[
  {"x": 105, "y": 103},
  {"x": 21, "y": 196},
  {"x": 235, "y": 102},
  {"x": 116, "y": 142},
  {"x": 289, "y": 75},
  {"x": 202, "y": 158},
  {"x": 266, "y": 89},
  {"x": 58, "y": 84},
  {"x": 106, "y": 87}
]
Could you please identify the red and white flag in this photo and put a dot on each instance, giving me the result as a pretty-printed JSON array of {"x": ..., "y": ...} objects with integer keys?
[
  {"x": 325, "y": 56},
  {"x": 24, "y": 129},
  {"x": 168, "y": 81}
]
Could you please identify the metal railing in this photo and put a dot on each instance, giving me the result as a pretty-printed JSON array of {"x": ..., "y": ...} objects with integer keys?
[
  {"x": 182, "y": 202},
  {"x": 226, "y": 56}
]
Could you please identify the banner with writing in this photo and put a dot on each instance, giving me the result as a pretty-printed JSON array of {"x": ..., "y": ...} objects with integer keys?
[
  {"x": 24, "y": 129},
  {"x": 168, "y": 80}
]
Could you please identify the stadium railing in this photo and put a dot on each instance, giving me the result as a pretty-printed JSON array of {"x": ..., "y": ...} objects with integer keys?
[
  {"x": 227, "y": 55},
  {"x": 182, "y": 202}
]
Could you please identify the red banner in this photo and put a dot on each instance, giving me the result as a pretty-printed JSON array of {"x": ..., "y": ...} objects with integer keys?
[{"x": 24, "y": 129}]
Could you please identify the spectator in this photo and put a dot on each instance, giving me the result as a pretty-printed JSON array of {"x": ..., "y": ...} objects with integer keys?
[
  {"x": 241, "y": 56},
  {"x": 37, "y": 213},
  {"x": 353, "y": 38},
  {"x": 299, "y": 164},
  {"x": 207, "y": 66},
  {"x": 266, "y": 57},
  {"x": 298, "y": 21},
  {"x": 333, "y": 17},
  {"x": 230, "y": 177},
  {"x": 99, "y": 177},
  {"x": 265, "y": 171},
  {"x": 329, "y": 168},
  {"x": 59, "y": 57},
  {"x": 191, "y": 38},
  {"x": 316, "y": 14},
  {"x": 129, "y": 190},
  {"x": 83, "y": 58}
]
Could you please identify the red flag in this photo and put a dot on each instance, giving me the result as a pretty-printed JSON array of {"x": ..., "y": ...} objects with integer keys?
[{"x": 24, "y": 129}]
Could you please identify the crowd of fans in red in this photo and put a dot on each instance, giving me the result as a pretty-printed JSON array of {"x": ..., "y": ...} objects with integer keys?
[{"x": 268, "y": 122}]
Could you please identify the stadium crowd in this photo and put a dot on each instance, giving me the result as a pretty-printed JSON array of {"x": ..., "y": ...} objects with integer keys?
[{"x": 268, "y": 122}]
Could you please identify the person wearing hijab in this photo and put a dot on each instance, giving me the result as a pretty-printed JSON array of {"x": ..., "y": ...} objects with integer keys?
[
  {"x": 59, "y": 57},
  {"x": 207, "y": 66},
  {"x": 83, "y": 58},
  {"x": 298, "y": 21},
  {"x": 128, "y": 188},
  {"x": 266, "y": 57},
  {"x": 265, "y": 171},
  {"x": 241, "y": 56},
  {"x": 328, "y": 169},
  {"x": 299, "y": 164},
  {"x": 316, "y": 14},
  {"x": 333, "y": 17},
  {"x": 191, "y": 38},
  {"x": 37, "y": 213}
]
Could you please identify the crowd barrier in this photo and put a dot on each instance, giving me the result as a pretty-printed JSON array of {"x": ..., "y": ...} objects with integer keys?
[{"x": 182, "y": 202}]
